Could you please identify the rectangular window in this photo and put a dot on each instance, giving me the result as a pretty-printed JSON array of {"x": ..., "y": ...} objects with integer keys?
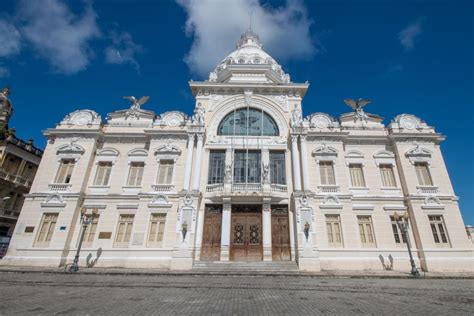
[
  {"x": 397, "y": 233},
  {"x": 124, "y": 230},
  {"x": 423, "y": 174},
  {"x": 157, "y": 229},
  {"x": 438, "y": 229},
  {"x": 89, "y": 234},
  {"x": 165, "y": 172},
  {"x": 388, "y": 177},
  {"x": 326, "y": 168},
  {"x": 247, "y": 166},
  {"x": 333, "y": 226},
  {"x": 277, "y": 167},
  {"x": 216, "y": 167},
  {"x": 45, "y": 233},
  {"x": 366, "y": 230},
  {"x": 357, "y": 175},
  {"x": 135, "y": 174},
  {"x": 65, "y": 171},
  {"x": 102, "y": 176}
]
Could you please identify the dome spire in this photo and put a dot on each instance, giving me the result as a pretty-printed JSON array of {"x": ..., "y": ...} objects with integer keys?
[{"x": 249, "y": 38}]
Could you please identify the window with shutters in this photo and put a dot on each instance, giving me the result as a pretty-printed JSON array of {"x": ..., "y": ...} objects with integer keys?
[
  {"x": 357, "y": 175},
  {"x": 277, "y": 167},
  {"x": 157, "y": 229},
  {"x": 46, "y": 230},
  {"x": 423, "y": 173},
  {"x": 388, "y": 177},
  {"x": 165, "y": 172},
  {"x": 366, "y": 231},
  {"x": 124, "y": 230},
  {"x": 326, "y": 169},
  {"x": 333, "y": 226},
  {"x": 216, "y": 167},
  {"x": 66, "y": 166},
  {"x": 397, "y": 233},
  {"x": 438, "y": 230},
  {"x": 135, "y": 174},
  {"x": 89, "y": 234},
  {"x": 102, "y": 177}
]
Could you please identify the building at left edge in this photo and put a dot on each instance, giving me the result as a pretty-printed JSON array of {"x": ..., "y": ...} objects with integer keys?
[{"x": 19, "y": 161}]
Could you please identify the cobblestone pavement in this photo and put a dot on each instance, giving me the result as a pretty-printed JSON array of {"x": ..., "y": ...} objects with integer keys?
[{"x": 45, "y": 293}]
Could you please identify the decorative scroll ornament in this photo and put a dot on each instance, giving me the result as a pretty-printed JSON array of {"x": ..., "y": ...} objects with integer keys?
[{"x": 248, "y": 97}]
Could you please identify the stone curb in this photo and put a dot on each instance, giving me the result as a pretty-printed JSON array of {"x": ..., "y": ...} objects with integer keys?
[{"x": 240, "y": 273}]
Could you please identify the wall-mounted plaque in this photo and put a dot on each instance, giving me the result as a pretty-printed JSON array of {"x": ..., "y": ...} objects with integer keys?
[
  {"x": 105, "y": 235},
  {"x": 29, "y": 229}
]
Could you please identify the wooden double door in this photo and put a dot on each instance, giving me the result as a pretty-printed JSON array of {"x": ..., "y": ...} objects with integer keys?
[
  {"x": 246, "y": 234},
  {"x": 211, "y": 241},
  {"x": 281, "y": 250}
]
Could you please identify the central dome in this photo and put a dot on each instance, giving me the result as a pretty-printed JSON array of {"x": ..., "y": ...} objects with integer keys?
[{"x": 249, "y": 63}]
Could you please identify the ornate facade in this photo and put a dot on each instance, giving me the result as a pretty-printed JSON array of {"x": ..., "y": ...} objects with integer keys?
[
  {"x": 19, "y": 161},
  {"x": 245, "y": 178}
]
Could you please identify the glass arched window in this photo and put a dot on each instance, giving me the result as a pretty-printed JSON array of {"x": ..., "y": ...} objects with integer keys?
[{"x": 248, "y": 121}]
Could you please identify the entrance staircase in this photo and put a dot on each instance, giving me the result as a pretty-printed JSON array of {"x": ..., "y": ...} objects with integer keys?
[{"x": 246, "y": 267}]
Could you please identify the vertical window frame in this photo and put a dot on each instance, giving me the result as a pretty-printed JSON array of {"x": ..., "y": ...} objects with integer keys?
[{"x": 49, "y": 225}]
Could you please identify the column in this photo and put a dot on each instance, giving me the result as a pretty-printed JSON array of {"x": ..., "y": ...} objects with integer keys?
[
  {"x": 304, "y": 163},
  {"x": 225, "y": 230},
  {"x": 189, "y": 161},
  {"x": 197, "y": 162},
  {"x": 267, "y": 231},
  {"x": 228, "y": 173},
  {"x": 295, "y": 158}
]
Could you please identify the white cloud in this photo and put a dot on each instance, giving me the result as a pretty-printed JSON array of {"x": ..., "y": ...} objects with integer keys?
[
  {"x": 59, "y": 35},
  {"x": 409, "y": 34},
  {"x": 217, "y": 26},
  {"x": 10, "y": 39},
  {"x": 122, "y": 50}
]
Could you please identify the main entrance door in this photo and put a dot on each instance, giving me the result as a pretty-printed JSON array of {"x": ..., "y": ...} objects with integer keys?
[
  {"x": 280, "y": 234},
  {"x": 211, "y": 240},
  {"x": 246, "y": 229}
]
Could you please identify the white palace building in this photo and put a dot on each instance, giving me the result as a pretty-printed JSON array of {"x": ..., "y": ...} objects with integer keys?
[{"x": 245, "y": 178}]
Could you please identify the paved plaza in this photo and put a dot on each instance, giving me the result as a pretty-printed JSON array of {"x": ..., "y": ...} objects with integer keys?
[{"x": 82, "y": 294}]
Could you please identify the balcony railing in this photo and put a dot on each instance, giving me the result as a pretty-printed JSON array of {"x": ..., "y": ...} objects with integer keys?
[
  {"x": 163, "y": 187},
  {"x": 427, "y": 189},
  {"x": 215, "y": 187},
  {"x": 278, "y": 187},
  {"x": 246, "y": 187},
  {"x": 10, "y": 177},
  {"x": 59, "y": 187},
  {"x": 328, "y": 188}
]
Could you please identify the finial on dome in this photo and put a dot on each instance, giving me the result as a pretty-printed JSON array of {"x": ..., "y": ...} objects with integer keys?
[{"x": 249, "y": 38}]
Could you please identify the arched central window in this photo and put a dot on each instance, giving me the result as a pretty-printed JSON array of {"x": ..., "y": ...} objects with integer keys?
[{"x": 248, "y": 121}]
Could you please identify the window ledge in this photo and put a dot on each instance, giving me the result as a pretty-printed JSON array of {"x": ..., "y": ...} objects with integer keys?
[
  {"x": 391, "y": 190},
  {"x": 131, "y": 189},
  {"x": 328, "y": 188},
  {"x": 163, "y": 187},
  {"x": 99, "y": 188},
  {"x": 427, "y": 189},
  {"x": 59, "y": 187},
  {"x": 359, "y": 190}
]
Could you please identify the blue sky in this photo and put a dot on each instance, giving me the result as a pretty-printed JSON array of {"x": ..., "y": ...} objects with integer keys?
[{"x": 407, "y": 56}]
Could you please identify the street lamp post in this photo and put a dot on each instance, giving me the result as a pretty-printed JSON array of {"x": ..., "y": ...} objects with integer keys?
[
  {"x": 402, "y": 222},
  {"x": 85, "y": 220}
]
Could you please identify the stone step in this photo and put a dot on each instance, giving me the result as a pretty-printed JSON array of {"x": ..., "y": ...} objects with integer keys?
[{"x": 260, "y": 266}]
